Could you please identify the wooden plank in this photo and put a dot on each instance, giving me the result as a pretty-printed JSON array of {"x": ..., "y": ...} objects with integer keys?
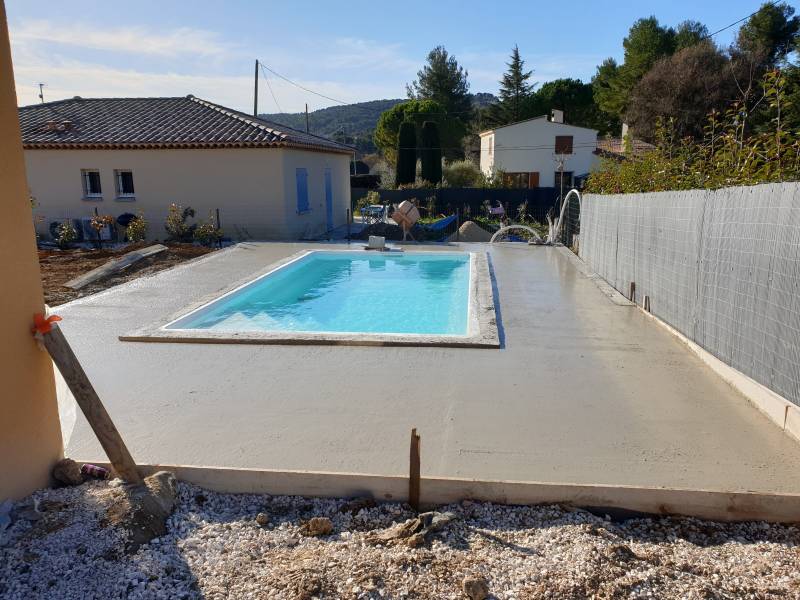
[
  {"x": 704, "y": 504},
  {"x": 93, "y": 409},
  {"x": 414, "y": 472},
  {"x": 115, "y": 265}
]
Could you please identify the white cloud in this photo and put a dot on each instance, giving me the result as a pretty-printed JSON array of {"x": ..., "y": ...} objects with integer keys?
[
  {"x": 65, "y": 79},
  {"x": 357, "y": 53},
  {"x": 135, "y": 40}
]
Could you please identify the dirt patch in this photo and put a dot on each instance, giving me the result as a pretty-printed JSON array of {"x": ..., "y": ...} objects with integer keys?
[{"x": 59, "y": 266}]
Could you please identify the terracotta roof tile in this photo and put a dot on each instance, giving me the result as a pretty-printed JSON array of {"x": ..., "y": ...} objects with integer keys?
[{"x": 186, "y": 122}]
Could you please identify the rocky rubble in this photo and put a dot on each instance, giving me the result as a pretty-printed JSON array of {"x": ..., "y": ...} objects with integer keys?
[{"x": 61, "y": 544}]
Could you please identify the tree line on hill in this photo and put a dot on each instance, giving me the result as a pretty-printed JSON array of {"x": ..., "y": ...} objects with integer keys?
[{"x": 672, "y": 76}]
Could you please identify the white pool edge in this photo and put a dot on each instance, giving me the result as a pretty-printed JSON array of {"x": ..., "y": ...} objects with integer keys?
[{"x": 482, "y": 331}]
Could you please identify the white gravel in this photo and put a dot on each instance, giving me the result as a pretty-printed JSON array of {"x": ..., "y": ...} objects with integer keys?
[{"x": 216, "y": 549}]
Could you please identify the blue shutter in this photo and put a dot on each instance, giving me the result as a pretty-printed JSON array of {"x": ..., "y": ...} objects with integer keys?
[{"x": 302, "y": 190}]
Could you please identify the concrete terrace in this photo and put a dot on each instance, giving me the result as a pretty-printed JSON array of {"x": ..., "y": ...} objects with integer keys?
[{"x": 582, "y": 391}]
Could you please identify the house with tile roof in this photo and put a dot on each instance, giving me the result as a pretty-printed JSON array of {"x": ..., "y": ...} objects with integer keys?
[
  {"x": 539, "y": 152},
  {"x": 139, "y": 155}
]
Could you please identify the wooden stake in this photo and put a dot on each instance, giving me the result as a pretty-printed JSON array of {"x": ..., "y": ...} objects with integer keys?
[
  {"x": 64, "y": 358},
  {"x": 413, "y": 471},
  {"x": 646, "y": 303},
  {"x": 632, "y": 296}
]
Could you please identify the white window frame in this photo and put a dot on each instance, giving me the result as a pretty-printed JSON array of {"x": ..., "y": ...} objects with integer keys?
[
  {"x": 118, "y": 184},
  {"x": 87, "y": 194}
]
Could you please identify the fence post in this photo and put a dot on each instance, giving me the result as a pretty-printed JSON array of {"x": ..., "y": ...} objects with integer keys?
[
  {"x": 349, "y": 216},
  {"x": 458, "y": 224}
]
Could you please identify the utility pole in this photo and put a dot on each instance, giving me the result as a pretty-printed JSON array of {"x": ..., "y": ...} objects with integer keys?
[
  {"x": 255, "y": 92},
  {"x": 41, "y": 92},
  {"x": 306, "y": 117}
]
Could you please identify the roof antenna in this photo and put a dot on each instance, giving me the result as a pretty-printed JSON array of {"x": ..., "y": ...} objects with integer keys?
[{"x": 41, "y": 92}]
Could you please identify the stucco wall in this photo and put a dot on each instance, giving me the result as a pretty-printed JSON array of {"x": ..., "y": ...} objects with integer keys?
[
  {"x": 30, "y": 439},
  {"x": 720, "y": 266},
  {"x": 315, "y": 221},
  {"x": 254, "y": 188},
  {"x": 530, "y": 146}
]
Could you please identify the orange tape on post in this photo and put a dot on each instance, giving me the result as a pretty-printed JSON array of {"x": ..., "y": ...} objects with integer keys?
[{"x": 42, "y": 325}]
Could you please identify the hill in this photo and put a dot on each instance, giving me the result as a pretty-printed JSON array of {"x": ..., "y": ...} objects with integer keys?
[{"x": 350, "y": 123}]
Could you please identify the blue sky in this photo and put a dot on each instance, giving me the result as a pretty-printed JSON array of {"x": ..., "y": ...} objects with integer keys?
[{"x": 350, "y": 50}]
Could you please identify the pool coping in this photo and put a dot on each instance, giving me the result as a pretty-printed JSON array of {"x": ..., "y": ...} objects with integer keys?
[{"x": 482, "y": 318}]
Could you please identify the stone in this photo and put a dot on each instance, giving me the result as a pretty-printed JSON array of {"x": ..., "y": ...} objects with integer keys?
[
  {"x": 262, "y": 519},
  {"x": 475, "y": 588},
  {"x": 317, "y": 526},
  {"x": 68, "y": 472}
]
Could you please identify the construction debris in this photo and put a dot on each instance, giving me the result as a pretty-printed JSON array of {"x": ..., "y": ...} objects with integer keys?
[
  {"x": 415, "y": 532},
  {"x": 211, "y": 549},
  {"x": 142, "y": 510},
  {"x": 470, "y": 232},
  {"x": 115, "y": 265}
]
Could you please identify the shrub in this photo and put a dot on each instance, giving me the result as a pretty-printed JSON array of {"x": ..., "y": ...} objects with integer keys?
[
  {"x": 371, "y": 197},
  {"x": 98, "y": 223},
  {"x": 462, "y": 173},
  {"x": 137, "y": 229},
  {"x": 431, "y": 153},
  {"x": 206, "y": 232},
  {"x": 728, "y": 154},
  {"x": 176, "y": 226},
  {"x": 125, "y": 218},
  {"x": 65, "y": 234},
  {"x": 406, "y": 154}
]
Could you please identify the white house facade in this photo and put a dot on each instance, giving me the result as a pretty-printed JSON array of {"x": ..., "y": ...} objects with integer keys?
[
  {"x": 533, "y": 153},
  {"x": 139, "y": 155}
]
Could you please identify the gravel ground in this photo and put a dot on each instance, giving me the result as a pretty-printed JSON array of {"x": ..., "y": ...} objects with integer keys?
[{"x": 247, "y": 546}]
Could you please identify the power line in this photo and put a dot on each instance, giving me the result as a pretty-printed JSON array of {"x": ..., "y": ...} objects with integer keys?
[
  {"x": 302, "y": 87},
  {"x": 272, "y": 93},
  {"x": 352, "y": 104},
  {"x": 710, "y": 35}
]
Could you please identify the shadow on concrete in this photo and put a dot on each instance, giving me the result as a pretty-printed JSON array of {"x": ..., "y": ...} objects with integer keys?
[{"x": 501, "y": 332}]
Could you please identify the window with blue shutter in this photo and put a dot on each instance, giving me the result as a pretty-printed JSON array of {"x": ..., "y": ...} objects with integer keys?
[{"x": 302, "y": 190}]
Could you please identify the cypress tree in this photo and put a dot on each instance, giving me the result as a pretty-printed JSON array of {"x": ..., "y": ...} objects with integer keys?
[
  {"x": 406, "y": 171},
  {"x": 431, "y": 153}
]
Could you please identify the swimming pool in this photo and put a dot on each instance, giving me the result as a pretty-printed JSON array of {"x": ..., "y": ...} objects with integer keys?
[
  {"x": 411, "y": 293},
  {"x": 352, "y": 297}
]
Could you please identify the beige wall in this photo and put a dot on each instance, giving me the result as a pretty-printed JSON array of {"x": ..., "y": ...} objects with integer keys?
[
  {"x": 315, "y": 221},
  {"x": 254, "y": 188},
  {"x": 30, "y": 438}
]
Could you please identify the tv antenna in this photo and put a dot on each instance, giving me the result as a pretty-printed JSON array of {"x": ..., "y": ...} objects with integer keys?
[{"x": 41, "y": 92}]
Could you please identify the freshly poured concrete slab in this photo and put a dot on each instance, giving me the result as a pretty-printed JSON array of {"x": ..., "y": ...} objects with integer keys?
[{"x": 582, "y": 390}]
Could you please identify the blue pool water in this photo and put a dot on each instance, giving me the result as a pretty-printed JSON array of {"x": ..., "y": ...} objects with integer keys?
[{"x": 417, "y": 293}]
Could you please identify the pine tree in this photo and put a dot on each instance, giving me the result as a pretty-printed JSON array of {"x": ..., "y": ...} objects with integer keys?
[
  {"x": 515, "y": 91},
  {"x": 406, "y": 171},
  {"x": 430, "y": 153},
  {"x": 442, "y": 79}
]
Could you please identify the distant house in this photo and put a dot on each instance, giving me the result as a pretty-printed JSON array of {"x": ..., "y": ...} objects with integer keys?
[
  {"x": 139, "y": 155},
  {"x": 534, "y": 153}
]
